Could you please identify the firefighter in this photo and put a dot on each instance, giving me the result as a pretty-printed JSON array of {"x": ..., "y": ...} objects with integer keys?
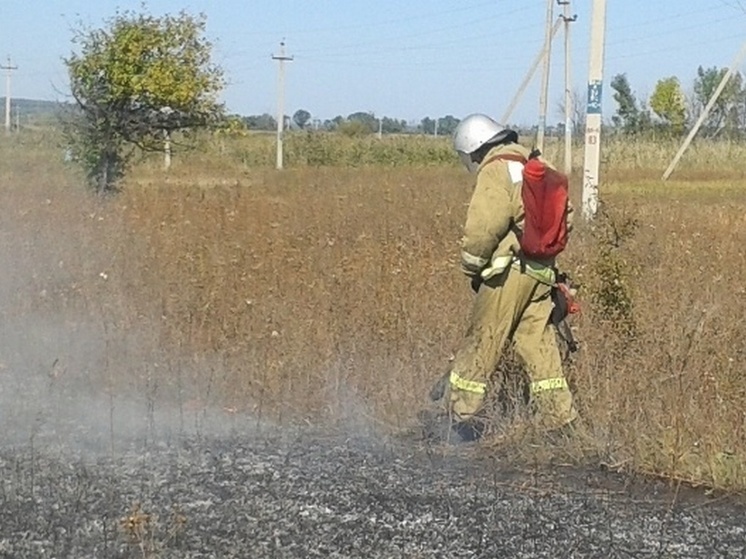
[{"x": 513, "y": 294}]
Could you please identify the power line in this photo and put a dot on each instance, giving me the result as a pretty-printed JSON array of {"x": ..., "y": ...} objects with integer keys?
[
  {"x": 382, "y": 45},
  {"x": 656, "y": 22},
  {"x": 670, "y": 31},
  {"x": 667, "y": 49},
  {"x": 408, "y": 35},
  {"x": 736, "y": 6},
  {"x": 349, "y": 50},
  {"x": 471, "y": 46},
  {"x": 350, "y": 55},
  {"x": 383, "y": 23}
]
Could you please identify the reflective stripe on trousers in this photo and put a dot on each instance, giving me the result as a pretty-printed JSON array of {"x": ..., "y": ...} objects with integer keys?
[
  {"x": 557, "y": 383},
  {"x": 461, "y": 383}
]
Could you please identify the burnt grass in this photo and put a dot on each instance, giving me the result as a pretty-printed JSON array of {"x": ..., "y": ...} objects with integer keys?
[{"x": 305, "y": 493}]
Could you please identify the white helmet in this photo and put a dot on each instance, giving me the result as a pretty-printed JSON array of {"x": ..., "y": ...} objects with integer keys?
[{"x": 475, "y": 131}]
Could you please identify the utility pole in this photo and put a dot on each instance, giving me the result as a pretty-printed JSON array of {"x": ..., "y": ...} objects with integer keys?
[
  {"x": 706, "y": 111},
  {"x": 545, "y": 77},
  {"x": 9, "y": 70},
  {"x": 568, "y": 19},
  {"x": 593, "y": 110},
  {"x": 435, "y": 131},
  {"x": 281, "y": 59},
  {"x": 527, "y": 79}
]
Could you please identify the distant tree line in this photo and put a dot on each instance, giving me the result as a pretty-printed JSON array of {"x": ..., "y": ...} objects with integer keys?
[
  {"x": 356, "y": 124},
  {"x": 669, "y": 111}
]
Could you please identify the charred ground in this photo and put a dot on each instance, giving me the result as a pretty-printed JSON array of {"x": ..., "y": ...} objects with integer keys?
[{"x": 303, "y": 493}]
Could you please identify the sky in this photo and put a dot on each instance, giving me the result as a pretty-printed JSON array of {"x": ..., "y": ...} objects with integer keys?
[{"x": 402, "y": 59}]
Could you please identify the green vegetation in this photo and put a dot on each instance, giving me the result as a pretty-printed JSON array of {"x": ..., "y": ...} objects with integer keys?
[
  {"x": 669, "y": 112},
  {"x": 135, "y": 82},
  {"x": 669, "y": 104}
]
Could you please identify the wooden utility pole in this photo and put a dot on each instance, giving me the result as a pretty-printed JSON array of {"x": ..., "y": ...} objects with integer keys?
[
  {"x": 527, "y": 79},
  {"x": 281, "y": 59},
  {"x": 593, "y": 111},
  {"x": 9, "y": 70},
  {"x": 706, "y": 111},
  {"x": 166, "y": 150},
  {"x": 568, "y": 19},
  {"x": 545, "y": 77}
]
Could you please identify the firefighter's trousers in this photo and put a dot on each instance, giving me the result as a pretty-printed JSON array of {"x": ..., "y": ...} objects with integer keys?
[{"x": 511, "y": 307}]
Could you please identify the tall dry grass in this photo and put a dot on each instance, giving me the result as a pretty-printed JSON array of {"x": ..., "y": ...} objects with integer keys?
[
  {"x": 334, "y": 292},
  {"x": 622, "y": 158}
]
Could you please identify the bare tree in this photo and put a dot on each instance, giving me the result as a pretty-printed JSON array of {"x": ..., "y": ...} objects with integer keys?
[{"x": 577, "y": 110}]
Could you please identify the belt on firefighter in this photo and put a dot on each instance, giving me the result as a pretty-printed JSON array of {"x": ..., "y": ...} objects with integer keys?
[
  {"x": 461, "y": 383},
  {"x": 539, "y": 272}
]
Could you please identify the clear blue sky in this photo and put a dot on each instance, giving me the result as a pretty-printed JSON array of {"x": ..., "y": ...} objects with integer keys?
[{"x": 401, "y": 59}]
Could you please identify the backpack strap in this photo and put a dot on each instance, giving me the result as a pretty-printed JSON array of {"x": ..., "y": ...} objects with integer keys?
[
  {"x": 505, "y": 157},
  {"x": 514, "y": 157}
]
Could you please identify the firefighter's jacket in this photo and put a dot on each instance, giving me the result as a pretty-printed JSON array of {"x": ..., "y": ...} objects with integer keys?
[{"x": 494, "y": 220}]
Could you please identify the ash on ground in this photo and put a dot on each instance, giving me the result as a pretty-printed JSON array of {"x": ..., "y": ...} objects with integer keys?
[{"x": 265, "y": 492}]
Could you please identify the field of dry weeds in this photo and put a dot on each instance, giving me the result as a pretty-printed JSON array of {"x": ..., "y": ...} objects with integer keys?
[{"x": 330, "y": 294}]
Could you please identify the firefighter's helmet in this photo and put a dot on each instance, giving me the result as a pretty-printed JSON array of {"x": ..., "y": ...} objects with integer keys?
[{"x": 475, "y": 131}]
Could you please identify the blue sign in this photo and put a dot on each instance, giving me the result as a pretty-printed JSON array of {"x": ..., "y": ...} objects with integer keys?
[{"x": 594, "y": 98}]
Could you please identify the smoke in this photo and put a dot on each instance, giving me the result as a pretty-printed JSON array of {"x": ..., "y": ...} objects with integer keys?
[
  {"x": 68, "y": 383},
  {"x": 72, "y": 376}
]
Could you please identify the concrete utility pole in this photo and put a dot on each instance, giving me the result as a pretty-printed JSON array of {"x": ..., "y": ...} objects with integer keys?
[
  {"x": 281, "y": 58},
  {"x": 528, "y": 77},
  {"x": 9, "y": 70},
  {"x": 593, "y": 111},
  {"x": 545, "y": 77},
  {"x": 568, "y": 19},
  {"x": 706, "y": 111}
]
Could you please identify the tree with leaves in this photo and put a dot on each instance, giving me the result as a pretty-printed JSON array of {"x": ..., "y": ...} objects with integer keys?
[
  {"x": 135, "y": 82},
  {"x": 629, "y": 118},
  {"x": 447, "y": 125},
  {"x": 727, "y": 113},
  {"x": 393, "y": 126},
  {"x": 368, "y": 120},
  {"x": 668, "y": 102},
  {"x": 427, "y": 125},
  {"x": 301, "y": 117},
  {"x": 261, "y": 122}
]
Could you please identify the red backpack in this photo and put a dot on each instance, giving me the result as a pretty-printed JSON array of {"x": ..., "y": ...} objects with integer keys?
[{"x": 545, "y": 199}]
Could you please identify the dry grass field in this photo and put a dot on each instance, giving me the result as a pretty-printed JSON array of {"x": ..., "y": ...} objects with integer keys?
[{"x": 331, "y": 292}]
